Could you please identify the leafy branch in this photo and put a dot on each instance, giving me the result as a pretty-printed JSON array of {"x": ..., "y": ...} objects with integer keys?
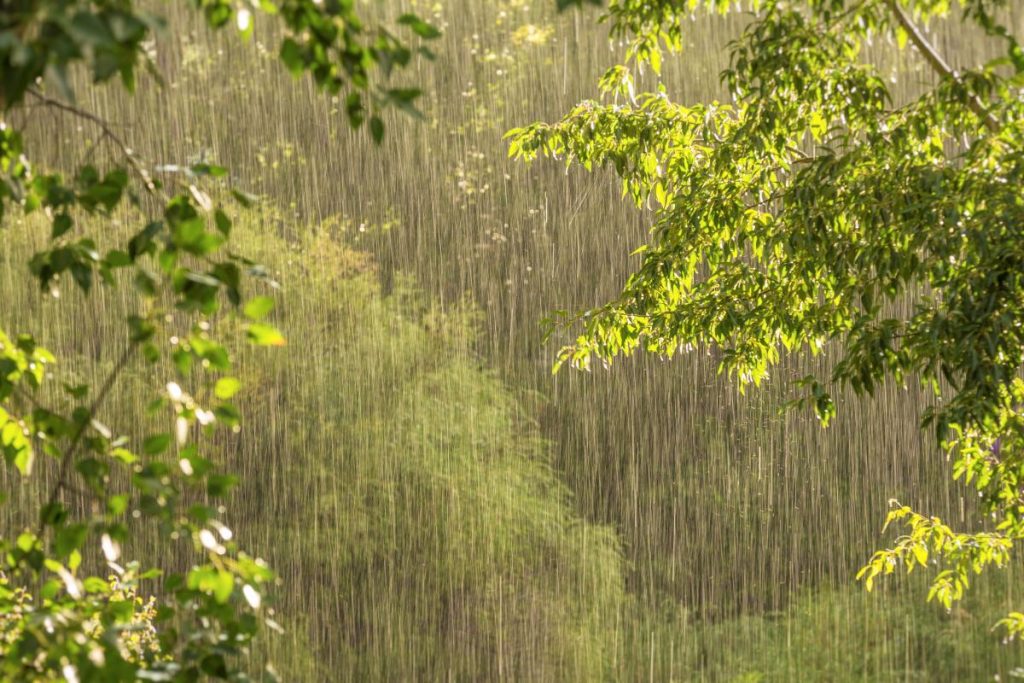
[
  {"x": 85, "y": 420},
  {"x": 876, "y": 206},
  {"x": 175, "y": 261}
]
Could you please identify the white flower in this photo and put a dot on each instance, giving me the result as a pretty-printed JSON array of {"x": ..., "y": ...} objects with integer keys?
[
  {"x": 181, "y": 430},
  {"x": 111, "y": 548},
  {"x": 252, "y": 596},
  {"x": 174, "y": 391}
]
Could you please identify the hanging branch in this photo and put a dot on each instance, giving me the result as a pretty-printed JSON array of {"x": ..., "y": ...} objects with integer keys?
[
  {"x": 935, "y": 60},
  {"x": 107, "y": 131}
]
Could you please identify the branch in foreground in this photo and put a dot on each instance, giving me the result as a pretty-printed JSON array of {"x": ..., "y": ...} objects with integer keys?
[
  {"x": 62, "y": 482},
  {"x": 133, "y": 160}
]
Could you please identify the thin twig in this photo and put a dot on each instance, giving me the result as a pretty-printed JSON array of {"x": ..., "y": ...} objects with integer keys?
[
  {"x": 940, "y": 65},
  {"x": 87, "y": 154},
  {"x": 108, "y": 132},
  {"x": 28, "y": 398},
  {"x": 62, "y": 482}
]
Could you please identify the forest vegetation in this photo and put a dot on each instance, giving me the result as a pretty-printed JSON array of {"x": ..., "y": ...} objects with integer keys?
[{"x": 280, "y": 301}]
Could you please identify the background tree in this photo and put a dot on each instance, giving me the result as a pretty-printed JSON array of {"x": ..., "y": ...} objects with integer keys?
[
  {"x": 60, "y": 616},
  {"x": 813, "y": 211}
]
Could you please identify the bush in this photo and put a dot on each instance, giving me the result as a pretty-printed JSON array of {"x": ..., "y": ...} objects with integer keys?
[{"x": 444, "y": 543}]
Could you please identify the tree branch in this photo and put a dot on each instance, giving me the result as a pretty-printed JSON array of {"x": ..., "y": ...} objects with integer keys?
[
  {"x": 62, "y": 482},
  {"x": 940, "y": 65},
  {"x": 108, "y": 132}
]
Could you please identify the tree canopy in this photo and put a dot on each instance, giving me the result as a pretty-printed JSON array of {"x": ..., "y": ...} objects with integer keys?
[{"x": 815, "y": 211}]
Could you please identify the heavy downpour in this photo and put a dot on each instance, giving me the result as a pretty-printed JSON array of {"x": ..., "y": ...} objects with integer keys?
[{"x": 511, "y": 340}]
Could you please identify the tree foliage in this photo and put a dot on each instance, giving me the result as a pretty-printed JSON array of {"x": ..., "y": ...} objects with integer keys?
[
  {"x": 61, "y": 615},
  {"x": 815, "y": 211}
]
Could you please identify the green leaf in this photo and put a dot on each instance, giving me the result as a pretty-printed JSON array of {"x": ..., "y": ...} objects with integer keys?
[
  {"x": 419, "y": 26},
  {"x": 217, "y": 582},
  {"x": 95, "y": 585},
  {"x": 244, "y": 198},
  {"x": 62, "y": 223},
  {"x": 262, "y": 334},
  {"x": 117, "y": 259},
  {"x": 53, "y": 514},
  {"x": 226, "y": 387},
  {"x": 291, "y": 55},
  {"x": 70, "y": 538},
  {"x": 403, "y": 98},
  {"x": 123, "y": 455},
  {"x": 156, "y": 444},
  {"x": 259, "y": 307},
  {"x": 219, "y": 485},
  {"x": 17, "y": 448},
  {"x": 214, "y": 664},
  {"x": 209, "y": 169},
  {"x": 376, "y": 129},
  {"x": 222, "y": 222}
]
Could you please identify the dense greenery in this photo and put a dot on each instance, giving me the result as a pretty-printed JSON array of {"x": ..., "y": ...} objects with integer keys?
[
  {"x": 61, "y": 617},
  {"x": 432, "y": 482},
  {"x": 651, "y": 524},
  {"x": 815, "y": 211},
  {"x": 420, "y": 530}
]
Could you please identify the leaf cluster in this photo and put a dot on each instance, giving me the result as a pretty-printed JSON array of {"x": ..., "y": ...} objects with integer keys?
[{"x": 815, "y": 212}]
